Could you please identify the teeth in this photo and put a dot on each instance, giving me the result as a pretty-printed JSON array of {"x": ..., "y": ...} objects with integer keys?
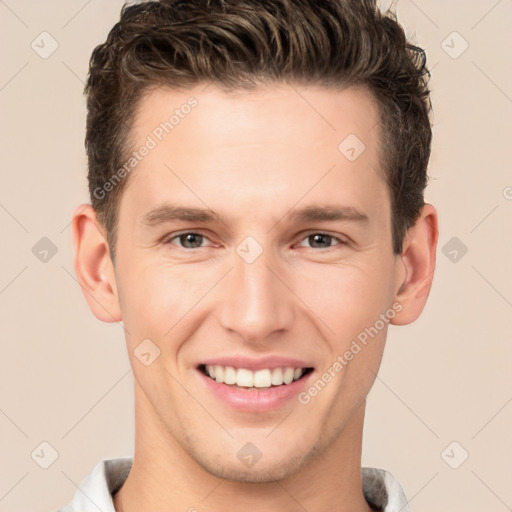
[
  {"x": 243, "y": 377},
  {"x": 277, "y": 376},
  {"x": 219, "y": 373},
  {"x": 288, "y": 375},
  {"x": 229, "y": 375},
  {"x": 262, "y": 379}
]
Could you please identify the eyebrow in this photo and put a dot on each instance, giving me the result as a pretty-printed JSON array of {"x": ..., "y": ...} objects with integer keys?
[
  {"x": 328, "y": 213},
  {"x": 314, "y": 213}
]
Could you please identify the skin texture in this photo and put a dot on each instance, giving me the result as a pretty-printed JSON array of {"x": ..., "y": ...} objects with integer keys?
[{"x": 253, "y": 157}]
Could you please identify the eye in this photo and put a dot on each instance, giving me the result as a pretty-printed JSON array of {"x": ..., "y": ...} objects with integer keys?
[
  {"x": 322, "y": 240},
  {"x": 187, "y": 240},
  {"x": 194, "y": 240}
]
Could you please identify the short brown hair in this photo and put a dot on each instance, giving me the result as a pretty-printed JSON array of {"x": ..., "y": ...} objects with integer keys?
[{"x": 240, "y": 44}]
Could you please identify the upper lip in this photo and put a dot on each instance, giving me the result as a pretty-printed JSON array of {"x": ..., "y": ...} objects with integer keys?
[{"x": 253, "y": 364}]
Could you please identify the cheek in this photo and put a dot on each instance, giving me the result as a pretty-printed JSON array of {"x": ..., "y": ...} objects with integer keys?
[
  {"x": 154, "y": 299},
  {"x": 167, "y": 304},
  {"x": 346, "y": 298}
]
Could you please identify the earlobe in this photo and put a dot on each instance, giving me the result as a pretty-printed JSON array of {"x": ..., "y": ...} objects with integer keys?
[
  {"x": 93, "y": 266},
  {"x": 417, "y": 262}
]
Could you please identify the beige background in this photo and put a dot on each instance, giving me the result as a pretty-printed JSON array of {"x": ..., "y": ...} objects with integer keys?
[{"x": 65, "y": 377}]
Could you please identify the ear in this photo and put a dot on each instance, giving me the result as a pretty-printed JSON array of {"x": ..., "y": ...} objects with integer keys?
[
  {"x": 418, "y": 260},
  {"x": 93, "y": 267}
]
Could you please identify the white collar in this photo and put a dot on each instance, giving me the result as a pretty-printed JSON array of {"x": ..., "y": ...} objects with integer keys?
[{"x": 381, "y": 489}]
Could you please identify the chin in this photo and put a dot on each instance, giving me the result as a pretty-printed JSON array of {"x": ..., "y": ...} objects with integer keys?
[
  {"x": 260, "y": 473},
  {"x": 267, "y": 469}
]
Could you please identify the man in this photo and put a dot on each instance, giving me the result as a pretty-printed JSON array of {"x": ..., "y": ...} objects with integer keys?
[{"x": 256, "y": 172}]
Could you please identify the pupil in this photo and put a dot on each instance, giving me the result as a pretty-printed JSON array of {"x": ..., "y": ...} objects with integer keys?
[
  {"x": 189, "y": 238},
  {"x": 319, "y": 237}
]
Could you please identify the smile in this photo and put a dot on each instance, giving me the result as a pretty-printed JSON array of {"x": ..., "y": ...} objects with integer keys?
[{"x": 244, "y": 378}]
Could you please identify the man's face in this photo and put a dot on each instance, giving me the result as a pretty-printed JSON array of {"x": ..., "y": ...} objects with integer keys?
[{"x": 260, "y": 287}]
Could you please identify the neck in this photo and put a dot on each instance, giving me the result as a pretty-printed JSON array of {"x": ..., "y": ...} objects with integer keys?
[{"x": 164, "y": 476}]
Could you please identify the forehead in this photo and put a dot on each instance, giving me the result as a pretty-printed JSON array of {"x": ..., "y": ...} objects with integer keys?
[
  {"x": 276, "y": 113},
  {"x": 279, "y": 142}
]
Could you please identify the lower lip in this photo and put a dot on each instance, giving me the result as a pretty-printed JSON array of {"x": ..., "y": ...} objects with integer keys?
[{"x": 255, "y": 400}]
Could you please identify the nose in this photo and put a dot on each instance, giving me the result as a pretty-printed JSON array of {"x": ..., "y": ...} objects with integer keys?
[{"x": 256, "y": 302}]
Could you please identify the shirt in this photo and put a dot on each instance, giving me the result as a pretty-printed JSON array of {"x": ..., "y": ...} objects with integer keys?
[{"x": 381, "y": 489}]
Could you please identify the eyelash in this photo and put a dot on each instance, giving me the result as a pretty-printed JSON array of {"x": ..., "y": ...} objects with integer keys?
[{"x": 168, "y": 241}]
